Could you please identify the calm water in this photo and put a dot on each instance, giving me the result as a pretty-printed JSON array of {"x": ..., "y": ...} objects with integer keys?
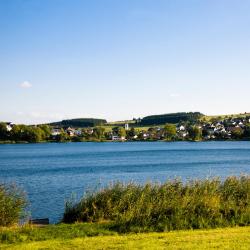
[{"x": 50, "y": 173}]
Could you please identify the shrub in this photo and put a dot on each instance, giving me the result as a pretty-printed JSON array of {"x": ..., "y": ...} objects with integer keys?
[
  {"x": 169, "y": 206},
  {"x": 12, "y": 204}
]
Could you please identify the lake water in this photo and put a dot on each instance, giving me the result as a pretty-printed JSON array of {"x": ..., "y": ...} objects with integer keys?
[{"x": 51, "y": 172}]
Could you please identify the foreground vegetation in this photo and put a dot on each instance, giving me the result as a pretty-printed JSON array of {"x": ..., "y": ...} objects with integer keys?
[
  {"x": 12, "y": 204},
  {"x": 78, "y": 236},
  {"x": 173, "y": 205},
  {"x": 133, "y": 216}
]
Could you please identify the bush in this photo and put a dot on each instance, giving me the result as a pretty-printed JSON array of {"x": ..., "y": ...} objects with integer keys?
[
  {"x": 12, "y": 204},
  {"x": 169, "y": 206}
]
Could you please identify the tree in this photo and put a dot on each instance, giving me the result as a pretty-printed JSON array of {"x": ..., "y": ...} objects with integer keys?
[
  {"x": 169, "y": 131},
  {"x": 131, "y": 133},
  {"x": 247, "y": 131},
  {"x": 16, "y": 132},
  {"x": 237, "y": 133},
  {"x": 98, "y": 132},
  {"x": 32, "y": 134},
  {"x": 122, "y": 132},
  {"x": 3, "y": 131},
  {"x": 46, "y": 131},
  {"x": 194, "y": 133},
  {"x": 63, "y": 136}
]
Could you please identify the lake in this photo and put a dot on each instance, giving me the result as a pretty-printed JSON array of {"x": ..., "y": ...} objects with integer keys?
[{"x": 51, "y": 172}]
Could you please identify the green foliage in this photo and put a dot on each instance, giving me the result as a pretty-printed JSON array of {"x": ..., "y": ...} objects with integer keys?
[
  {"x": 170, "y": 131},
  {"x": 237, "y": 133},
  {"x": 195, "y": 133},
  {"x": 247, "y": 131},
  {"x": 98, "y": 132},
  {"x": 62, "y": 137},
  {"x": 120, "y": 131},
  {"x": 3, "y": 131},
  {"x": 170, "y": 118},
  {"x": 80, "y": 122},
  {"x": 12, "y": 204},
  {"x": 169, "y": 206},
  {"x": 46, "y": 131},
  {"x": 131, "y": 133},
  {"x": 27, "y": 133},
  {"x": 61, "y": 231}
]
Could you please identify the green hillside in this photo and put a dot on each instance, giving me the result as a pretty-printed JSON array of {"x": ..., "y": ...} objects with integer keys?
[{"x": 80, "y": 122}]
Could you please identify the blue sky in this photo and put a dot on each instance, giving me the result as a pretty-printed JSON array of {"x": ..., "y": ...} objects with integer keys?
[{"x": 122, "y": 59}]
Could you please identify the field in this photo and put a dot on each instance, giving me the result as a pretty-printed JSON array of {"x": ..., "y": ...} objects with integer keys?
[
  {"x": 94, "y": 236},
  {"x": 211, "y": 117}
]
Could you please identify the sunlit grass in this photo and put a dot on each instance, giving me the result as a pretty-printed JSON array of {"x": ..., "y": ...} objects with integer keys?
[{"x": 226, "y": 238}]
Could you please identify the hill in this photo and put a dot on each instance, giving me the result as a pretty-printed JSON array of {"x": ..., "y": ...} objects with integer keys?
[
  {"x": 170, "y": 118},
  {"x": 80, "y": 122}
]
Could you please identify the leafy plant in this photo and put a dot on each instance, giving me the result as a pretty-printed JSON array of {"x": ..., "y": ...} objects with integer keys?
[{"x": 12, "y": 204}]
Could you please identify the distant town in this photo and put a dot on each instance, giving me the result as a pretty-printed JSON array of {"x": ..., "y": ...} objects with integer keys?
[{"x": 192, "y": 126}]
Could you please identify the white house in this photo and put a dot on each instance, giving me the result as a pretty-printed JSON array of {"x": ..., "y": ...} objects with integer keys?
[
  {"x": 55, "y": 131},
  {"x": 181, "y": 128},
  {"x": 118, "y": 138},
  {"x": 9, "y": 126}
]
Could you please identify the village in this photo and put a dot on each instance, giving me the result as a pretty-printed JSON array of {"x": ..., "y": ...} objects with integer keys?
[{"x": 229, "y": 128}]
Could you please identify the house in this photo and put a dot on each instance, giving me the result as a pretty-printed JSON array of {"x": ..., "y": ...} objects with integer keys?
[
  {"x": 70, "y": 131},
  {"x": 78, "y": 132},
  {"x": 181, "y": 128},
  {"x": 88, "y": 131},
  {"x": 9, "y": 126},
  {"x": 183, "y": 134},
  {"x": 118, "y": 138},
  {"x": 55, "y": 131}
]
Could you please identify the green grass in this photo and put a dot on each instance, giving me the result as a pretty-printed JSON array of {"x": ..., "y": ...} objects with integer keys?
[
  {"x": 208, "y": 118},
  {"x": 173, "y": 205},
  {"x": 70, "y": 237},
  {"x": 29, "y": 233}
]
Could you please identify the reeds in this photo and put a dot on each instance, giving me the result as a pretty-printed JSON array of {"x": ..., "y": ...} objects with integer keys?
[
  {"x": 12, "y": 204},
  {"x": 174, "y": 205}
]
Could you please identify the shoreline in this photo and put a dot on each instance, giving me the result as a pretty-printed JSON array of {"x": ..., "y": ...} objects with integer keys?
[{"x": 123, "y": 141}]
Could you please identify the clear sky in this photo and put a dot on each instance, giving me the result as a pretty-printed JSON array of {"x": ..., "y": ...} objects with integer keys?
[{"x": 122, "y": 59}]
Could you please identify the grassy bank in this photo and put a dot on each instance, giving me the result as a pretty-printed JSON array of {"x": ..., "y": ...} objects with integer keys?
[
  {"x": 94, "y": 236},
  {"x": 173, "y": 205}
]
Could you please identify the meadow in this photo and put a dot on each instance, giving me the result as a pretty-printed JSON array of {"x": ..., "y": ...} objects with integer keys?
[{"x": 96, "y": 236}]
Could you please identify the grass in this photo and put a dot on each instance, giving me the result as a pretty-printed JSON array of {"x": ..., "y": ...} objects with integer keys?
[
  {"x": 63, "y": 238},
  {"x": 174, "y": 205},
  {"x": 12, "y": 235},
  {"x": 211, "y": 117}
]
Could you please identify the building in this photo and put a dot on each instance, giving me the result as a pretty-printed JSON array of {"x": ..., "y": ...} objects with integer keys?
[
  {"x": 55, "y": 131},
  {"x": 126, "y": 126},
  {"x": 9, "y": 126}
]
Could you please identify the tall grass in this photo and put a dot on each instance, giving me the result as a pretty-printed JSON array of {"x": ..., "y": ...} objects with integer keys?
[
  {"x": 173, "y": 205},
  {"x": 12, "y": 204}
]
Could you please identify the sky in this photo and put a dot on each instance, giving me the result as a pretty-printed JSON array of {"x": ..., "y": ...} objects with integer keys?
[{"x": 112, "y": 59}]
